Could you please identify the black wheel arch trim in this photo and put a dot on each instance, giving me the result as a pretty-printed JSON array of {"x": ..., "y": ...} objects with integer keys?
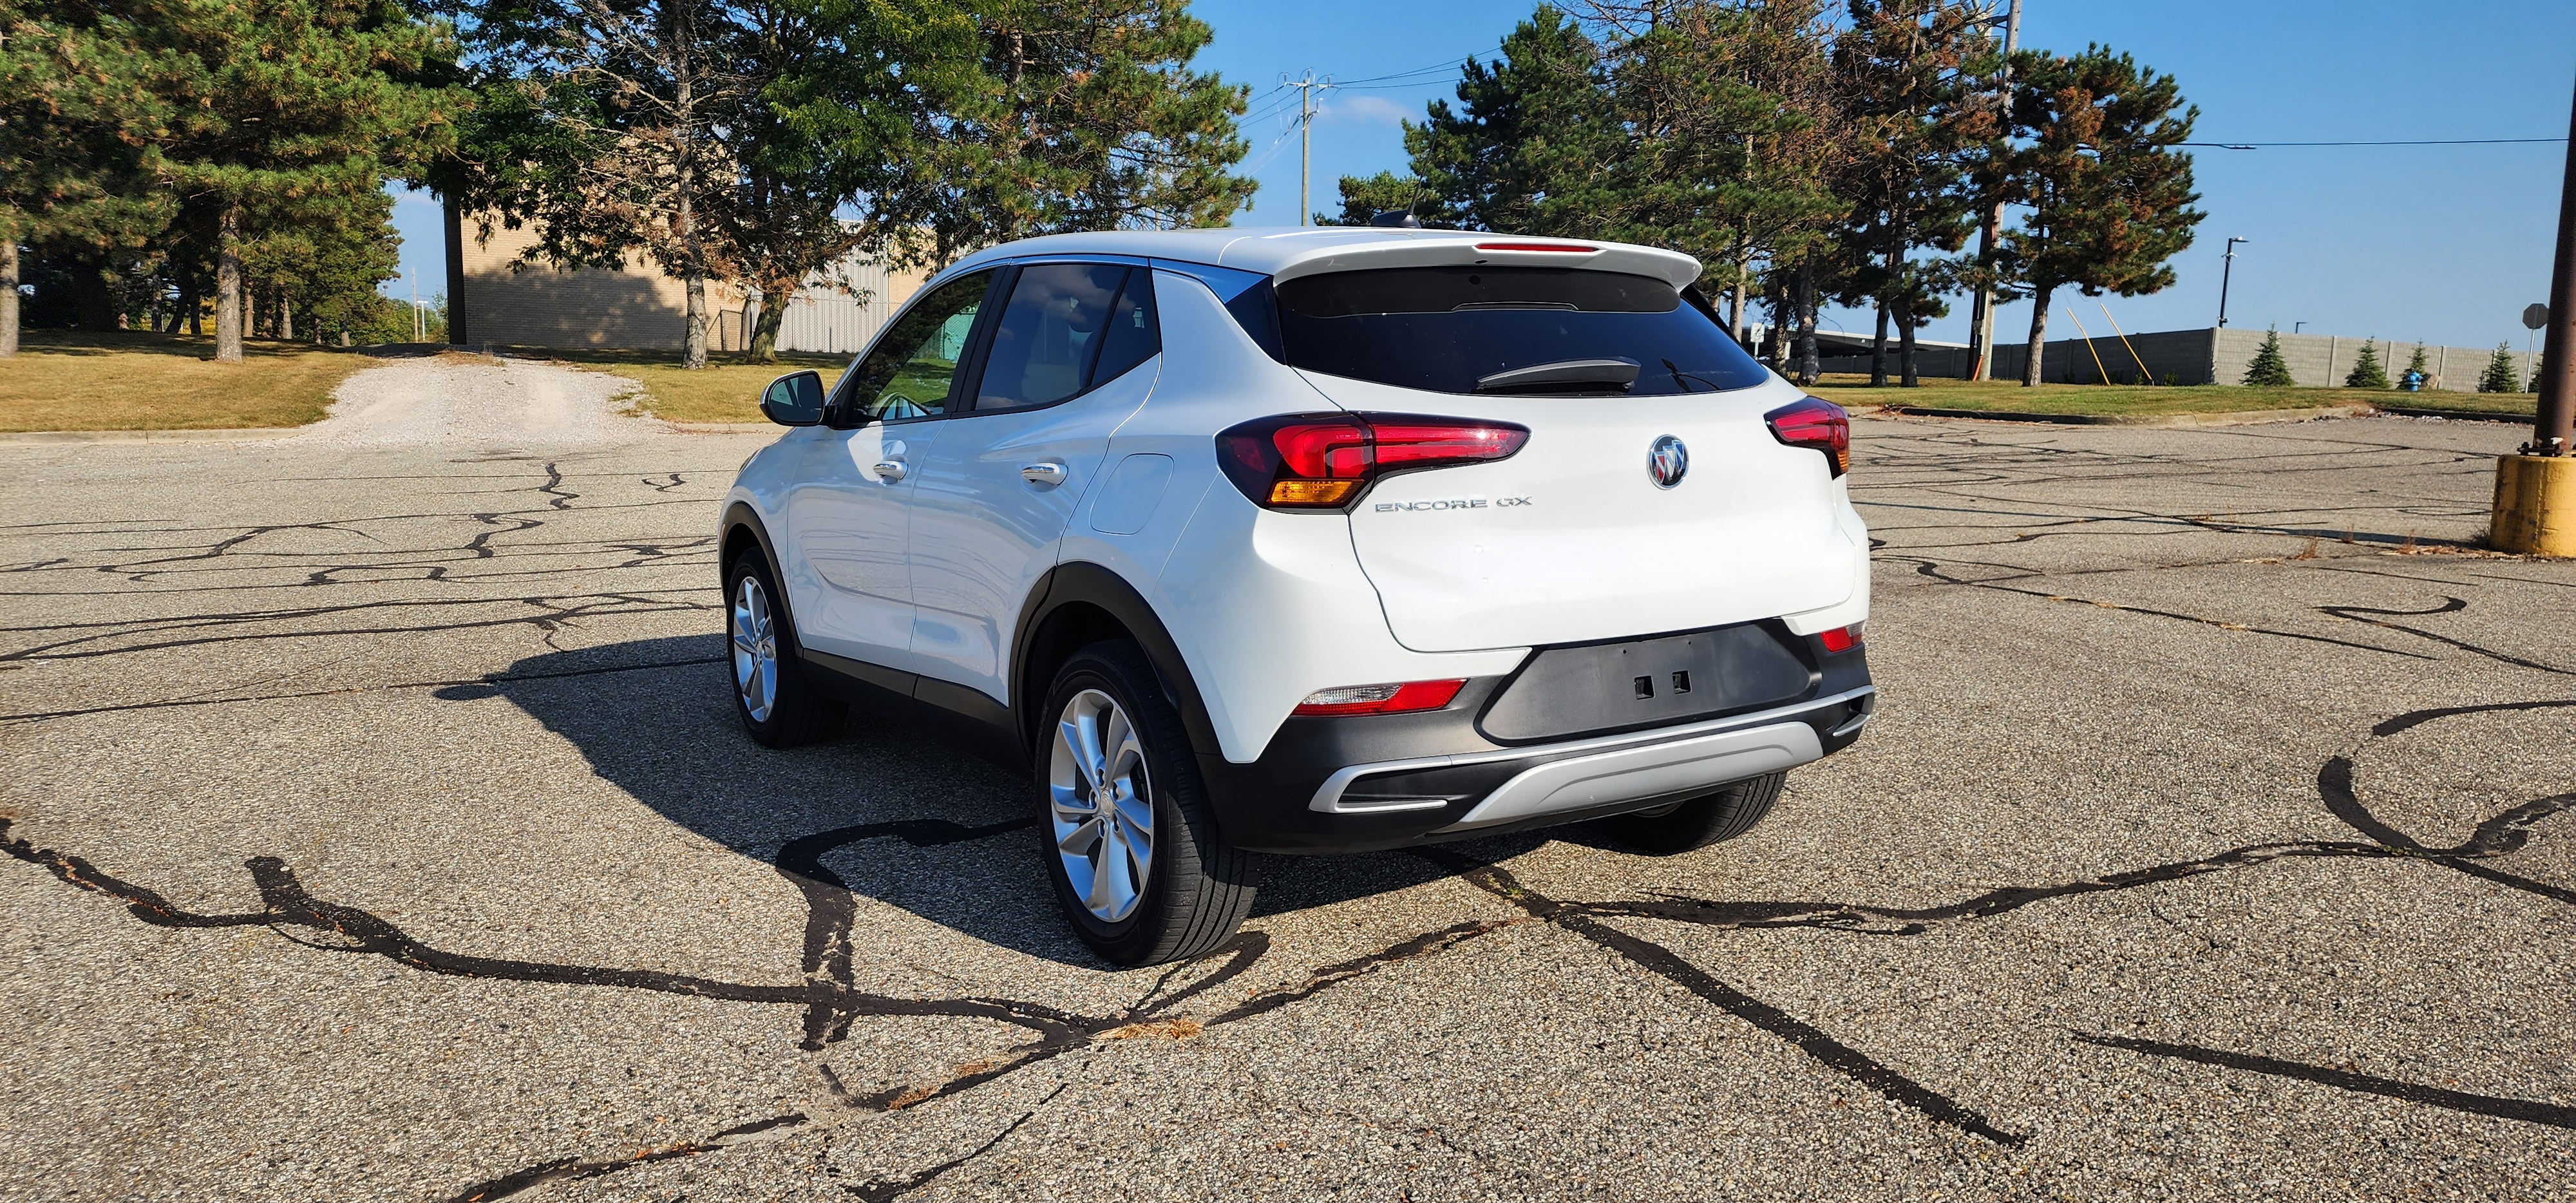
[
  {"x": 739, "y": 515},
  {"x": 1080, "y": 582}
]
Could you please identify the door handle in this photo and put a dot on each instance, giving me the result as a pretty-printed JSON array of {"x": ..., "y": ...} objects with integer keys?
[
  {"x": 1048, "y": 474},
  {"x": 891, "y": 469}
]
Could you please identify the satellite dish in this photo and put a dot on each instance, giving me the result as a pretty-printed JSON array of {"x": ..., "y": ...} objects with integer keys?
[{"x": 2534, "y": 317}]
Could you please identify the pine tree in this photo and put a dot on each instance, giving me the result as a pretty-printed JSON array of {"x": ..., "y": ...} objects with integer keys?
[
  {"x": 2366, "y": 372},
  {"x": 1364, "y": 197},
  {"x": 296, "y": 111},
  {"x": 2416, "y": 364},
  {"x": 1528, "y": 148},
  {"x": 2500, "y": 376},
  {"x": 80, "y": 172},
  {"x": 2269, "y": 369},
  {"x": 2108, "y": 190},
  {"x": 1064, "y": 118},
  {"x": 1905, "y": 95}
]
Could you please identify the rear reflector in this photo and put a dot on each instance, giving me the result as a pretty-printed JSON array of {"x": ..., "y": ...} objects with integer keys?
[
  {"x": 1324, "y": 461},
  {"x": 1379, "y": 699},
  {"x": 1818, "y": 423},
  {"x": 1561, "y": 248},
  {"x": 1841, "y": 639}
]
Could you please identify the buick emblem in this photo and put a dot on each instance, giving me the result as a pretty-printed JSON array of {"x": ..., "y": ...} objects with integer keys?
[{"x": 1667, "y": 462}]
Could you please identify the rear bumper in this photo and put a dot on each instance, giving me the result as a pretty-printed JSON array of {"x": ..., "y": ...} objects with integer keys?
[{"x": 1389, "y": 781}]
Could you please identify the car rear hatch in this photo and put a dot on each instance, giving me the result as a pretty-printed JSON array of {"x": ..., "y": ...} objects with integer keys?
[{"x": 1575, "y": 537}]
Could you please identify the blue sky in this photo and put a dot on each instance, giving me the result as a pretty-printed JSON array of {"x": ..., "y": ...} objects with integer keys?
[{"x": 2444, "y": 244}]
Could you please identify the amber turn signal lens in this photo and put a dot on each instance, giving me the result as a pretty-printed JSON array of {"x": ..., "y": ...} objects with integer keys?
[{"x": 1311, "y": 492}]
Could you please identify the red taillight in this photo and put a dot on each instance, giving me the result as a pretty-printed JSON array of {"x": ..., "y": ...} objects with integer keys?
[
  {"x": 1561, "y": 248},
  {"x": 1841, "y": 639},
  {"x": 1379, "y": 699},
  {"x": 1818, "y": 423},
  {"x": 1323, "y": 461}
]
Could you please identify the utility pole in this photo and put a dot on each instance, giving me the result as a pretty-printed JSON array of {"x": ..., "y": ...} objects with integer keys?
[
  {"x": 1981, "y": 316},
  {"x": 2535, "y": 496},
  {"x": 1306, "y": 90},
  {"x": 2227, "y": 273},
  {"x": 417, "y": 334}
]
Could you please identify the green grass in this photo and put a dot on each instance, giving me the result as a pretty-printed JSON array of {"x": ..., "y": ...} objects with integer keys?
[
  {"x": 726, "y": 390},
  {"x": 135, "y": 380},
  {"x": 2140, "y": 401}
]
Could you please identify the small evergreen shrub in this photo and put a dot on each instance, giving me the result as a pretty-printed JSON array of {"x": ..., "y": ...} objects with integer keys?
[
  {"x": 2500, "y": 376},
  {"x": 2269, "y": 369},
  {"x": 2366, "y": 372}
]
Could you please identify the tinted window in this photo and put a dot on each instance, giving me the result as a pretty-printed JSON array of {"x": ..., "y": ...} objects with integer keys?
[
  {"x": 1443, "y": 329},
  {"x": 914, "y": 368},
  {"x": 1135, "y": 334},
  {"x": 1049, "y": 335}
]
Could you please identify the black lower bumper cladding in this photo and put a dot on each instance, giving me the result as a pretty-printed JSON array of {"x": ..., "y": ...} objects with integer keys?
[{"x": 1267, "y": 805}]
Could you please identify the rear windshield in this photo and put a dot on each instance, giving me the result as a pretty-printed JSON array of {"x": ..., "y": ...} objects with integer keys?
[{"x": 1445, "y": 329}]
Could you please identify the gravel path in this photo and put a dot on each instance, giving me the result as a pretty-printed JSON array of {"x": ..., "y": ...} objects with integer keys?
[{"x": 459, "y": 400}]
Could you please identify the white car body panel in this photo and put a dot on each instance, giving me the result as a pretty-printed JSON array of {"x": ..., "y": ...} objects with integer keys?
[
  {"x": 1570, "y": 540},
  {"x": 1264, "y": 606},
  {"x": 848, "y": 581},
  {"x": 982, "y": 536}
]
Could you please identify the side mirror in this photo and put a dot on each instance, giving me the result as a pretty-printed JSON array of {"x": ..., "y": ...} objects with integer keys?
[{"x": 795, "y": 399}]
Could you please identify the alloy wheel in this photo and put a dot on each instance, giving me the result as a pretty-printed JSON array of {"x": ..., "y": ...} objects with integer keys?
[
  {"x": 1101, "y": 805},
  {"x": 755, "y": 650}
]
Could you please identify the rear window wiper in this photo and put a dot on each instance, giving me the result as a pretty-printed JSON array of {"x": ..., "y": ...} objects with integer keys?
[{"x": 1603, "y": 374}]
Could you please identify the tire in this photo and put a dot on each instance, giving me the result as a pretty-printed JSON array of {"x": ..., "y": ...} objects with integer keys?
[
  {"x": 1715, "y": 817},
  {"x": 1195, "y": 890},
  {"x": 779, "y": 705}
]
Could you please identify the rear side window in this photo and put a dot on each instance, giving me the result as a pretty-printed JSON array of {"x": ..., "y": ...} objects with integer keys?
[
  {"x": 1135, "y": 334},
  {"x": 1069, "y": 328},
  {"x": 1528, "y": 330}
]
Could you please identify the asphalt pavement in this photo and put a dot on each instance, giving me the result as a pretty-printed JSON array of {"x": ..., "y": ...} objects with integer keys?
[{"x": 377, "y": 827}]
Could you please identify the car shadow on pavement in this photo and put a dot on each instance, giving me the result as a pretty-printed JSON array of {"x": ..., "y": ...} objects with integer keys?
[{"x": 901, "y": 813}]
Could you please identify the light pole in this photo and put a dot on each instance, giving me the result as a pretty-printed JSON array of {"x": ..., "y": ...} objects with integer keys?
[{"x": 2225, "y": 274}]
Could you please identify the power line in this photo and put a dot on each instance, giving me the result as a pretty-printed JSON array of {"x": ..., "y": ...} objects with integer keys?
[{"x": 1447, "y": 64}]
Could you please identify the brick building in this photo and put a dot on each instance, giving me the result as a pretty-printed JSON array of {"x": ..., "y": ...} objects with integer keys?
[{"x": 638, "y": 307}]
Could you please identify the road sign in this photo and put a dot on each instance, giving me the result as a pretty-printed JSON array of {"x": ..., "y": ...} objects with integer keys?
[{"x": 2535, "y": 317}]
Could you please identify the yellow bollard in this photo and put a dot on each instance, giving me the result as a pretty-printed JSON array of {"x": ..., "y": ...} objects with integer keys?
[{"x": 2535, "y": 505}]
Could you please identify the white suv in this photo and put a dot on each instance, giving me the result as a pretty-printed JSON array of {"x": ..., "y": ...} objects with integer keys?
[{"x": 1310, "y": 541}]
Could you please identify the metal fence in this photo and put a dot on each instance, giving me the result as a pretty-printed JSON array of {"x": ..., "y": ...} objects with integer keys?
[{"x": 823, "y": 316}]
